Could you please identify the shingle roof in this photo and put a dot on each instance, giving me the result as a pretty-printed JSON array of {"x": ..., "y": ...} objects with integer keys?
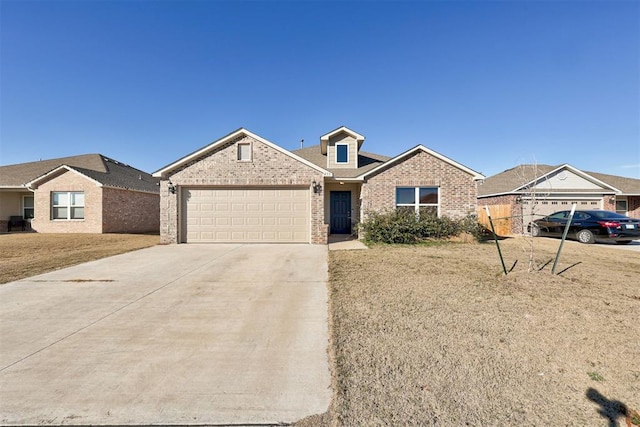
[
  {"x": 510, "y": 180},
  {"x": 107, "y": 171},
  {"x": 366, "y": 161}
]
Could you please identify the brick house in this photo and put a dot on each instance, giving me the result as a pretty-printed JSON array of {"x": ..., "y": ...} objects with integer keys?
[
  {"x": 80, "y": 194},
  {"x": 528, "y": 192},
  {"x": 243, "y": 188}
]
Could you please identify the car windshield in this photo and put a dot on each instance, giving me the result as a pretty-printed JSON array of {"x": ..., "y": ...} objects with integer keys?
[{"x": 608, "y": 215}]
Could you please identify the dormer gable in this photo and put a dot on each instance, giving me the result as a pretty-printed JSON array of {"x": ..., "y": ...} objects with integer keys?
[{"x": 341, "y": 147}]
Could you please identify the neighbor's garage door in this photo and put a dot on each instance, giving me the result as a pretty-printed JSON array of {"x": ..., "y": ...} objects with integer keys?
[
  {"x": 546, "y": 206},
  {"x": 260, "y": 215}
]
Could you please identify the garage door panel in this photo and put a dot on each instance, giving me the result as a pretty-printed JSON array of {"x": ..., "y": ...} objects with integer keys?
[{"x": 247, "y": 215}]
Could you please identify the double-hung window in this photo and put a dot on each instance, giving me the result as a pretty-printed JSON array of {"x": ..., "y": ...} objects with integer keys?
[
  {"x": 27, "y": 207},
  {"x": 420, "y": 200},
  {"x": 67, "y": 205}
]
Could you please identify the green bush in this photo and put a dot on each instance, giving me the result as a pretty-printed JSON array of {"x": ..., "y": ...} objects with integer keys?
[{"x": 404, "y": 226}]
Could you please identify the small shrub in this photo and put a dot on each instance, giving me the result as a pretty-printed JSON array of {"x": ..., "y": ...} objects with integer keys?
[
  {"x": 404, "y": 226},
  {"x": 595, "y": 376}
]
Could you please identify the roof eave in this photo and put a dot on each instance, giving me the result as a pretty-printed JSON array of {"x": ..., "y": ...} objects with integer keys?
[
  {"x": 166, "y": 171},
  {"x": 34, "y": 183},
  {"x": 476, "y": 175}
]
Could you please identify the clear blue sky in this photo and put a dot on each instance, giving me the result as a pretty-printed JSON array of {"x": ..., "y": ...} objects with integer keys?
[{"x": 491, "y": 84}]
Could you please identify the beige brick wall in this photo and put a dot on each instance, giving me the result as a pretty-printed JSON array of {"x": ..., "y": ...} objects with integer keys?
[
  {"x": 130, "y": 211},
  {"x": 457, "y": 189},
  {"x": 68, "y": 181},
  {"x": 221, "y": 168}
]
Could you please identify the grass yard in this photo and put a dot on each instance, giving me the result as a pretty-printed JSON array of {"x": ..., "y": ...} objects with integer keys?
[
  {"x": 436, "y": 335},
  {"x": 28, "y": 254}
]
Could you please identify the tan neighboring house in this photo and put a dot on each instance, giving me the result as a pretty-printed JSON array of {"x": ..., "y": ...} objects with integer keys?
[
  {"x": 244, "y": 188},
  {"x": 89, "y": 193},
  {"x": 529, "y": 192}
]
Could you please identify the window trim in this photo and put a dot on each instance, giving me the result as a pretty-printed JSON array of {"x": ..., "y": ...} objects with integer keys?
[
  {"x": 239, "y": 152},
  {"x": 69, "y": 205},
  {"x": 342, "y": 144},
  {"x": 416, "y": 204}
]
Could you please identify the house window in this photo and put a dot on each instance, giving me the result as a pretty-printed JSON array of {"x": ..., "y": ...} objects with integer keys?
[
  {"x": 27, "y": 207},
  {"x": 244, "y": 152},
  {"x": 621, "y": 207},
  {"x": 342, "y": 153},
  {"x": 421, "y": 200},
  {"x": 67, "y": 205}
]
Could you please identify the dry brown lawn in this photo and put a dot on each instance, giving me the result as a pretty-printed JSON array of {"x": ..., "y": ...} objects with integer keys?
[
  {"x": 28, "y": 254},
  {"x": 437, "y": 335}
]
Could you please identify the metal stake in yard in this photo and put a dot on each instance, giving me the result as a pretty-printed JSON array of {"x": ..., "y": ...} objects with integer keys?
[
  {"x": 564, "y": 236},
  {"x": 495, "y": 237}
]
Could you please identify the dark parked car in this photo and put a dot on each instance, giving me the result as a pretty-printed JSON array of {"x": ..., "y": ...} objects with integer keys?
[{"x": 588, "y": 226}]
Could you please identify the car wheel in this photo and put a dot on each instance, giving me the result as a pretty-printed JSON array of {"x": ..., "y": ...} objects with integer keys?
[
  {"x": 585, "y": 236},
  {"x": 535, "y": 230}
]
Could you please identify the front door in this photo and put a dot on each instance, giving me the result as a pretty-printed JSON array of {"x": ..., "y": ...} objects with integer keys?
[{"x": 340, "y": 212}]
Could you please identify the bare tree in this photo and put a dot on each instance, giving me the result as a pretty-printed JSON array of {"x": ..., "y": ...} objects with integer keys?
[{"x": 529, "y": 195}]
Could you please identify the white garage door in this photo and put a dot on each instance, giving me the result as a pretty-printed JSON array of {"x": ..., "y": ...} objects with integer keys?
[
  {"x": 258, "y": 215},
  {"x": 546, "y": 206}
]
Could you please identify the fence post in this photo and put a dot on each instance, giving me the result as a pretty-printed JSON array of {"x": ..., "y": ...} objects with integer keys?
[
  {"x": 495, "y": 237},
  {"x": 564, "y": 236}
]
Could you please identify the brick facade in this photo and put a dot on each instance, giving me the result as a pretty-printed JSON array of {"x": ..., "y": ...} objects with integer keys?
[
  {"x": 106, "y": 210},
  {"x": 68, "y": 181},
  {"x": 457, "y": 188},
  {"x": 130, "y": 211},
  {"x": 268, "y": 167}
]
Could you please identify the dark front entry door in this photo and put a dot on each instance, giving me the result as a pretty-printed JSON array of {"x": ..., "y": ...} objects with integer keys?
[{"x": 340, "y": 212}]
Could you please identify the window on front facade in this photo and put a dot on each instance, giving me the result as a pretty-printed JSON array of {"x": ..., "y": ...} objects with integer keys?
[
  {"x": 67, "y": 205},
  {"x": 342, "y": 153},
  {"x": 244, "y": 152},
  {"x": 621, "y": 207},
  {"x": 420, "y": 200},
  {"x": 27, "y": 207}
]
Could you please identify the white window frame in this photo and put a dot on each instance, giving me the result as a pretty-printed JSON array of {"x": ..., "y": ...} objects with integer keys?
[
  {"x": 25, "y": 207},
  {"x": 339, "y": 144},
  {"x": 239, "y": 156},
  {"x": 416, "y": 198},
  {"x": 68, "y": 205}
]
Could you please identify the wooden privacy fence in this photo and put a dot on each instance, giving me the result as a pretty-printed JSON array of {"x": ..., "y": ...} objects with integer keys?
[{"x": 501, "y": 217}]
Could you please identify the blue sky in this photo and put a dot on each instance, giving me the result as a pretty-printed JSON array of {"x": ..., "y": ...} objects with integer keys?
[{"x": 490, "y": 84}]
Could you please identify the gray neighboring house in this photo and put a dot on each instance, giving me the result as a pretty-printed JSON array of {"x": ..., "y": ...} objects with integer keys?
[
  {"x": 244, "y": 188},
  {"x": 531, "y": 191},
  {"x": 88, "y": 193}
]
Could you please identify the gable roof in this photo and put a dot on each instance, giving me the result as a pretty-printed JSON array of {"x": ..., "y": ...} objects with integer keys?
[
  {"x": 103, "y": 170},
  {"x": 324, "y": 139},
  {"x": 406, "y": 154},
  {"x": 166, "y": 170},
  {"x": 366, "y": 161},
  {"x": 512, "y": 181}
]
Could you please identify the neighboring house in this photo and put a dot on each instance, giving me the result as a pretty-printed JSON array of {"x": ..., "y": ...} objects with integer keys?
[
  {"x": 90, "y": 193},
  {"x": 528, "y": 192},
  {"x": 243, "y": 188}
]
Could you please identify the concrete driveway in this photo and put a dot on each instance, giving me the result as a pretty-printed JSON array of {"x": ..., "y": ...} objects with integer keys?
[{"x": 180, "y": 334}]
